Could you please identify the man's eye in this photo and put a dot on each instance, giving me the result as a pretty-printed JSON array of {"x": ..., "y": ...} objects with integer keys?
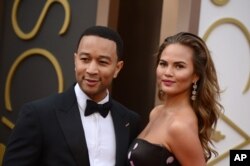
[
  {"x": 84, "y": 59},
  {"x": 103, "y": 62}
]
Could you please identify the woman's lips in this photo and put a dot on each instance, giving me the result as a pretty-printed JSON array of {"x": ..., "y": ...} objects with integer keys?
[{"x": 168, "y": 82}]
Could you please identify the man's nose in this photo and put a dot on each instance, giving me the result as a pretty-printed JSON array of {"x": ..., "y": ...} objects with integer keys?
[{"x": 92, "y": 67}]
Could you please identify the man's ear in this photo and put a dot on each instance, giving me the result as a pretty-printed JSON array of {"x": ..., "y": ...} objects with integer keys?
[
  {"x": 119, "y": 66},
  {"x": 75, "y": 56}
]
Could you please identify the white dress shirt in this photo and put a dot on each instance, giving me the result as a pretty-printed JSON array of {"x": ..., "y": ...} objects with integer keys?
[{"x": 99, "y": 133}]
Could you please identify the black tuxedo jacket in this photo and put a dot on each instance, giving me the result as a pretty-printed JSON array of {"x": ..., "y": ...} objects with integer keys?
[{"x": 49, "y": 132}]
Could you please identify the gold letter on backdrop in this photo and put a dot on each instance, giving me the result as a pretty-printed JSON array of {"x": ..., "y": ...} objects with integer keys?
[
  {"x": 33, "y": 32},
  {"x": 26, "y": 54},
  {"x": 228, "y": 121}
]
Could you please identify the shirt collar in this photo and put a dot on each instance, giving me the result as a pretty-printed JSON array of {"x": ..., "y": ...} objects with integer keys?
[{"x": 82, "y": 97}]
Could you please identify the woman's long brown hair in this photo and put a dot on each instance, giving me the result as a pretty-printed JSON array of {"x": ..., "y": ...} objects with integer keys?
[{"x": 206, "y": 106}]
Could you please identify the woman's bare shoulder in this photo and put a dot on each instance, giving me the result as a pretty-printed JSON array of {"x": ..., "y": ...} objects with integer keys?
[
  {"x": 155, "y": 111},
  {"x": 183, "y": 124}
]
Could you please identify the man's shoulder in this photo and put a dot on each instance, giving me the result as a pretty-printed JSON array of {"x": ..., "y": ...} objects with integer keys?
[
  {"x": 54, "y": 99},
  {"x": 122, "y": 108}
]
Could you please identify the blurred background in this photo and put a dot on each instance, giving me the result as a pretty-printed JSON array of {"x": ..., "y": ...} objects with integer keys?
[{"x": 38, "y": 40}]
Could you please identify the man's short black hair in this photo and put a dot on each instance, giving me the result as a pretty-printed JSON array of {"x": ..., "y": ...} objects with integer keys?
[{"x": 106, "y": 33}]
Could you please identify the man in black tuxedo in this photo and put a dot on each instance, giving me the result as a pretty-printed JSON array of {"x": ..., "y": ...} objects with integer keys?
[{"x": 71, "y": 129}]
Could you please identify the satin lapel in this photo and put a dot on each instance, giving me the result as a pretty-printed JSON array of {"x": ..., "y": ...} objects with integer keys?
[
  {"x": 121, "y": 134},
  {"x": 70, "y": 122}
]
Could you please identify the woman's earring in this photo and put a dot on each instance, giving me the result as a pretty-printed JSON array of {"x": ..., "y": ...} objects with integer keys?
[{"x": 194, "y": 92}]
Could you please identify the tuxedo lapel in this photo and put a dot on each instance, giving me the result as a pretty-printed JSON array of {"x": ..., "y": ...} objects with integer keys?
[
  {"x": 70, "y": 122},
  {"x": 121, "y": 126}
]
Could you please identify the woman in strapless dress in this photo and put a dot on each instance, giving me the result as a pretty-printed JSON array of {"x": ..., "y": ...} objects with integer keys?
[{"x": 179, "y": 129}]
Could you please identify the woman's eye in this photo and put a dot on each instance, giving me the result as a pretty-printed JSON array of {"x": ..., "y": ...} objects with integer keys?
[
  {"x": 179, "y": 66},
  {"x": 162, "y": 64}
]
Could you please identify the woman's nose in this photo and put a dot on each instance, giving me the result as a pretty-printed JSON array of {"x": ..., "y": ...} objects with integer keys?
[{"x": 169, "y": 71}]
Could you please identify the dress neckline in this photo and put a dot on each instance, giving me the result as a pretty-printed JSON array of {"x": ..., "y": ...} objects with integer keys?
[{"x": 155, "y": 144}]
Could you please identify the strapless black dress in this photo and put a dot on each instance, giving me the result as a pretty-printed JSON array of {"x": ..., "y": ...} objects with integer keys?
[{"x": 144, "y": 153}]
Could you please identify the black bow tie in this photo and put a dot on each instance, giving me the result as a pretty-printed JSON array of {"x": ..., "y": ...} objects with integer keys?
[{"x": 93, "y": 107}]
